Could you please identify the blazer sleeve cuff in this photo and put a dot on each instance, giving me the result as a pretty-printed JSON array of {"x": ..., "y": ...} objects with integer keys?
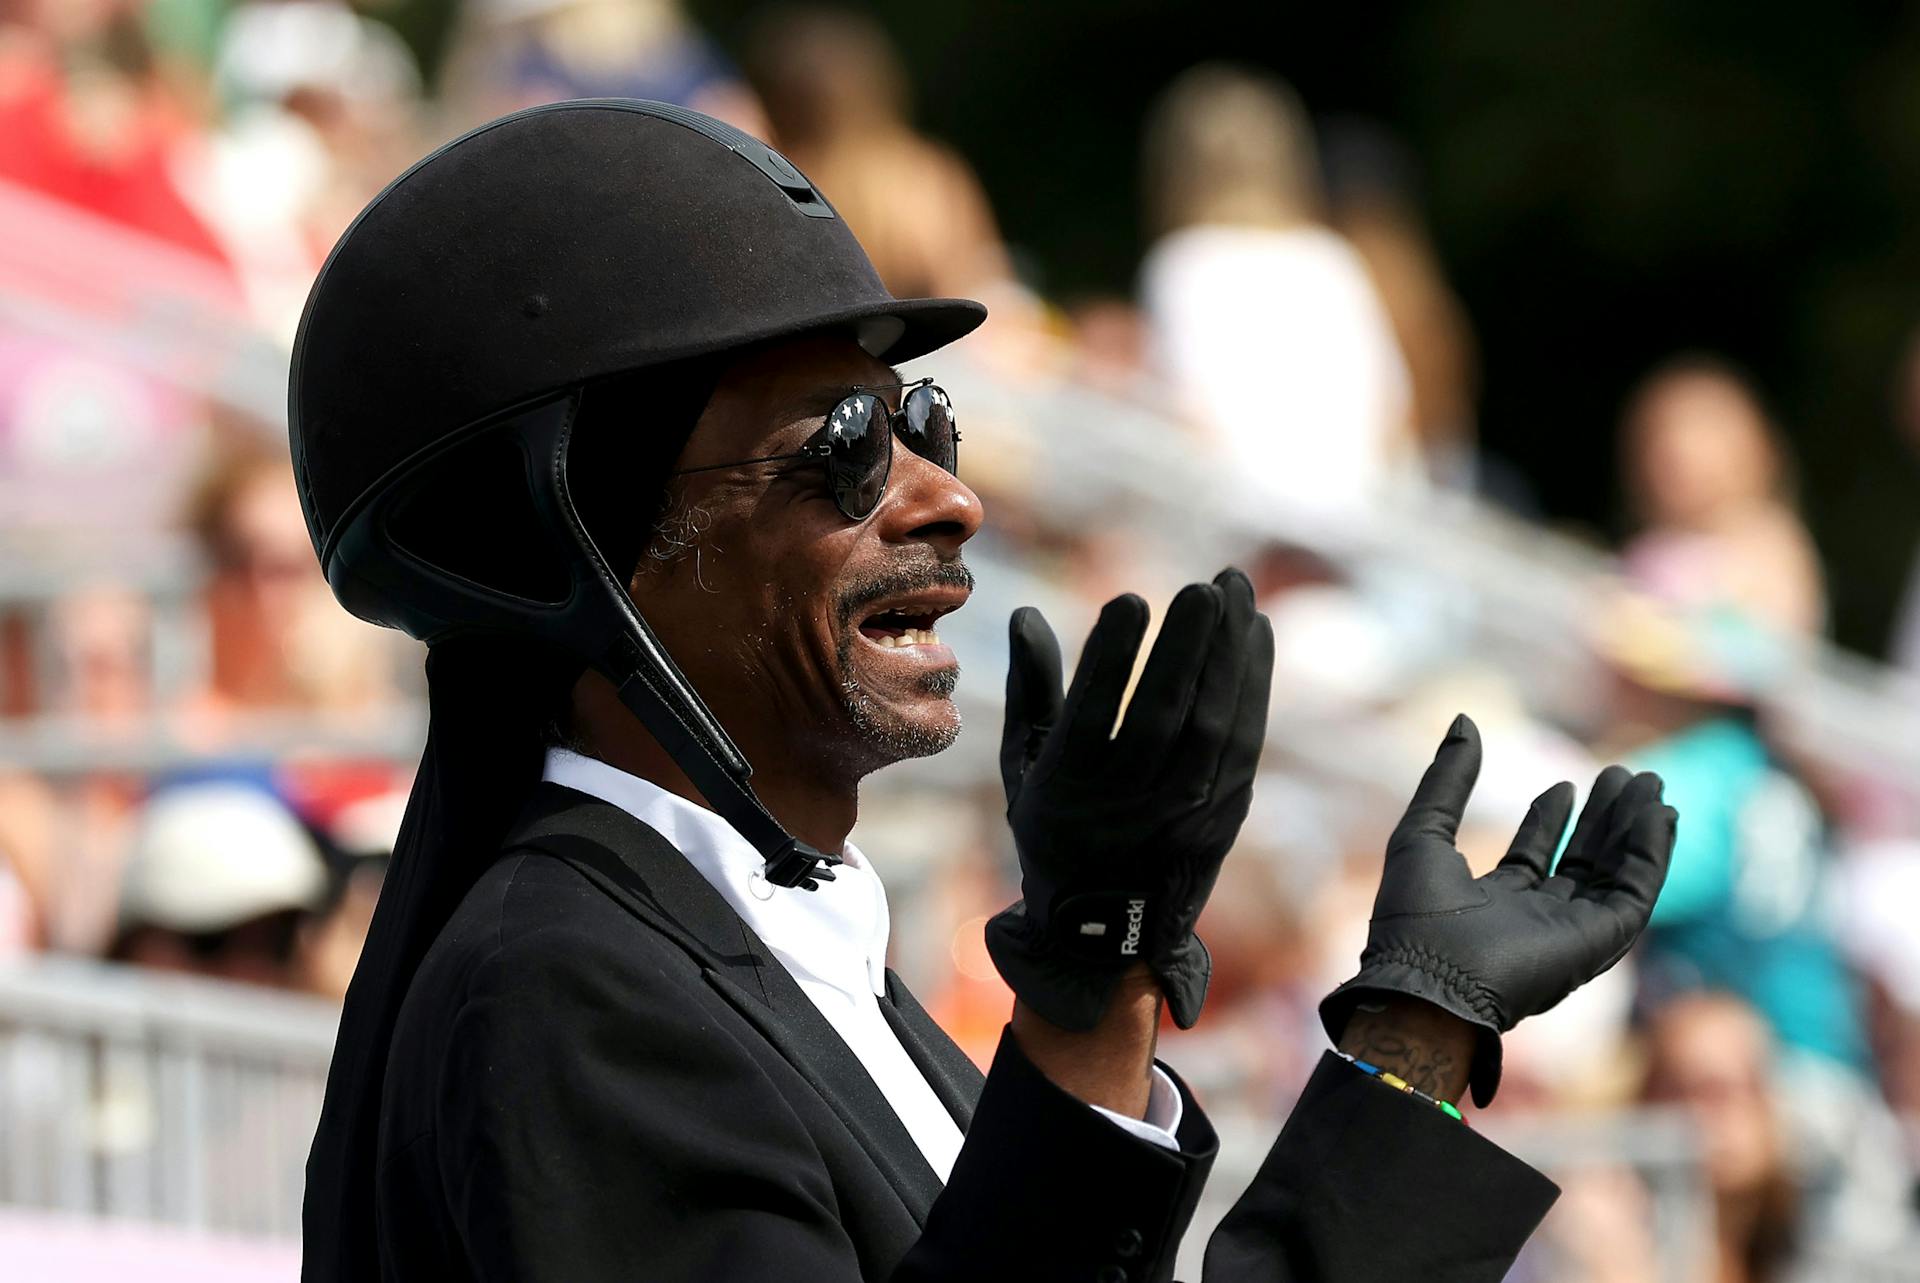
[
  {"x": 1369, "y": 1182},
  {"x": 1161, "y": 1126},
  {"x": 1057, "y": 1190}
]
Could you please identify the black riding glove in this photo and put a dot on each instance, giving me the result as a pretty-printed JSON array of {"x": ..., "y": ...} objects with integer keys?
[
  {"x": 1121, "y": 834},
  {"x": 1497, "y": 949}
]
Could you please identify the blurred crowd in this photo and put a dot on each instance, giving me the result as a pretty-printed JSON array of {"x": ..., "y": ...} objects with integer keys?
[{"x": 194, "y": 789}]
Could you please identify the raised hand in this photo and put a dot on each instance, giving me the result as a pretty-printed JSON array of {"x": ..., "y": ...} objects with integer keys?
[
  {"x": 1496, "y": 949},
  {"x": 1121, "y": 833}
]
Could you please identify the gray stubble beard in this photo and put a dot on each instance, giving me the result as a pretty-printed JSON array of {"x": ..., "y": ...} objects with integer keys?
[{"x": 892, "y": 738}]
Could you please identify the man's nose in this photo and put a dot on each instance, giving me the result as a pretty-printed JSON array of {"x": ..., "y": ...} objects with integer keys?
[{"x": 925, "y": 502}]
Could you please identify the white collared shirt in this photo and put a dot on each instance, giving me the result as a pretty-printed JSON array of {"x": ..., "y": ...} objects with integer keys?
[{"x": 832, "y": 941}]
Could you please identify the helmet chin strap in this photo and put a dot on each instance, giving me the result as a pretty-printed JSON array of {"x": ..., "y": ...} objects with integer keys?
[{"x": 601, "y": 624}]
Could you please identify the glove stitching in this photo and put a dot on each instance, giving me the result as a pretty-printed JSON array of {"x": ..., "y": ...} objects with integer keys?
[{"x": 1459, "y": 982}]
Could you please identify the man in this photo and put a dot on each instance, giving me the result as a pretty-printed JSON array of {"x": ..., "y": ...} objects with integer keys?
[{"x": 596, "y": 401}]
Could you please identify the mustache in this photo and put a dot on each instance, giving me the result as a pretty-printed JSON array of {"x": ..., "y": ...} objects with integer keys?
[{"x": 900, "y": 581}]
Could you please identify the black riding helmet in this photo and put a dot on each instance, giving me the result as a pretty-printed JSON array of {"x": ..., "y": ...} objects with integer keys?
[
  {"x": 585, "y": 263},
  {"x": 493, "y": 283}
]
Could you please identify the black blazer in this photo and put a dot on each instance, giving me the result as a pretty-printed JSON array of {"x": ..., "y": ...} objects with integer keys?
[{"x": 600, "y": 1073}]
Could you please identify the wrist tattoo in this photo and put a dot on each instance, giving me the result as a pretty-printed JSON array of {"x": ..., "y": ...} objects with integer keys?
[{"x": 1381, "y": 1038}]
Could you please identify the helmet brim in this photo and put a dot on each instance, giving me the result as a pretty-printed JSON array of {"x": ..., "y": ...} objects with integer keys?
[{"x": 898, "y": 330}]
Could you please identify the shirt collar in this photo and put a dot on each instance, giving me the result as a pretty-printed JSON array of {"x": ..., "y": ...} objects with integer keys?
[{"x": 835, "y": 936}]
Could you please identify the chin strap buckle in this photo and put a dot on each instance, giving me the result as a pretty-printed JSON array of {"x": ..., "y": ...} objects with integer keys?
[{"x": 798, "y": 865}]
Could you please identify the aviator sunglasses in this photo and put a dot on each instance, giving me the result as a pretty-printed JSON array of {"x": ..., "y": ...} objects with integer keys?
[{"x": 856, "y": 442}]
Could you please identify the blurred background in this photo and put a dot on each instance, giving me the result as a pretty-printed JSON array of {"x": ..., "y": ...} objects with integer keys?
[{"x": 1559, "y": 364}]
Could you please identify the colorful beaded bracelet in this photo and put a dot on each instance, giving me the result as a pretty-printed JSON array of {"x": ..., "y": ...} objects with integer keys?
[{"x": 1400, "y": 1084}]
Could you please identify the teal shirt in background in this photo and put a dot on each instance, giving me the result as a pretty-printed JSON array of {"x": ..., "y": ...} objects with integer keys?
[{"x": 1743, "y": 908}]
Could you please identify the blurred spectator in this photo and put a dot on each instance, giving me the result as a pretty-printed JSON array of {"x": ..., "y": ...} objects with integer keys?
[
  {"x": 1334, "y": 652},
  {"x": 218, "y": 880},
  {"x": 1601, "y": 1231},
  {"x": 518, "y": 53},
  {"x": 1263, "y": 320},
  {"x": 357, "y": 829},
  {"x": 61, "y": 839},
  {"x": 1374, "y": 205},
  {"x": 60, "y": 842},
  {"x": 322, "y": 108},
  {"x": 85, "y": 118},
  {"x": 100, "y": 665},
  {"x": 1800, "y": 1162},
  {"x": 96, "y": 243},
  {"x": 1109, "y": 346},
  {"x": 278, "y": 641},
  {"x": 91, "y": 447},
  {"x": 1745, "y": 907},
  {"x": 1709, "y": 484},
  {"x": 1710, "y": 1054},
  {"x": 951, "y": 910},
  {"x": 1262, "y": 1035},
  {"x": 331, "y": 940},
  {"x": 837, "y": 102}
]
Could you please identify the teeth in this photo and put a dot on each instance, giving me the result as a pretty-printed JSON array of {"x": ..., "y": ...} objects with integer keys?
[{"x": 909, "y": 637}]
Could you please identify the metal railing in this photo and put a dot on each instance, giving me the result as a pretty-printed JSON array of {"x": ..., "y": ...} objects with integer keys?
[
  {"x": 192, "y": 1102},
  {"x": 130, "y": 1094},
  {"x": 134, "y": 1096}
]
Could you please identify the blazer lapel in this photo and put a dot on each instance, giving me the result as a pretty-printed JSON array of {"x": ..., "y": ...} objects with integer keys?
[
  {"x": 955, "y": 1079},
  {"x": 648, "y": 876}
]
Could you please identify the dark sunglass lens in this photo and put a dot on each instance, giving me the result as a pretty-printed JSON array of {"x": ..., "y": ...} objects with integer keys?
[
  {"x": 862, "y": 450},
  {"x": 928, "y": 428}
]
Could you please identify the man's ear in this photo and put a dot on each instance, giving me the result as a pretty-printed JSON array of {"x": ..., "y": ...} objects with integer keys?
[{"x": 628, "y": 438}]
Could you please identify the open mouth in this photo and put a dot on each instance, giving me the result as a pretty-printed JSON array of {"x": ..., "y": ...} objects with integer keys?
[{"x": 908, "y": 625}]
